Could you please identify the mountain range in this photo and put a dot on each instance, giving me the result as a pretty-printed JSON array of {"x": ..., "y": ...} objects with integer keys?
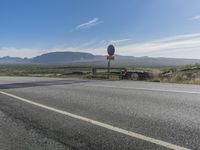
[{"x": 81, "y": 58}]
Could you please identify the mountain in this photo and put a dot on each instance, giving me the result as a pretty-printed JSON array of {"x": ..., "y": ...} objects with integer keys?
[
  {"x": 61, "y": 57},
  {"x": 151, "y": 61},
  {"x": 121, "y": 61},
  {"x": 78, "y": 58},
  {"x": 13, "y": 60}
]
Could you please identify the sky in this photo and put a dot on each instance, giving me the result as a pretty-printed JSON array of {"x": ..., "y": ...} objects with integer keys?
[{"x": 154, "y": 28}]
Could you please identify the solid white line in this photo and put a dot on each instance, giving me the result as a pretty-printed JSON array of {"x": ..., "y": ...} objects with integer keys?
[
  {"x": 135, "y": 88},
  {"x": 100, "y": 124}
]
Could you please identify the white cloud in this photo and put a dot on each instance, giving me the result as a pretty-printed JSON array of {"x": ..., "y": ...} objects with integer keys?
[
  {"x": 187, "y": 46},
  {"x": 197, "y": 17},
  {"x": 119, "y": 41},
  {"x": 175, "y": 45},
  {"x": 89, "y": 24}
]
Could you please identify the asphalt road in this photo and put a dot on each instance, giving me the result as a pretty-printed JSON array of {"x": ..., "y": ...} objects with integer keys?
[{"x": 60, "y": 114}]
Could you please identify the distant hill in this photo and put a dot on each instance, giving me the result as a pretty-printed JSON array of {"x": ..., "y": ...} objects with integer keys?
[
  {"x": 79, "y": 58},
  {"x": 13, "y": 60},
  {"x": 61, "y": 57}
]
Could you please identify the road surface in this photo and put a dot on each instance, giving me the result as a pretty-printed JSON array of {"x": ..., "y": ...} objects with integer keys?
[{"x": 60, "y": 114}]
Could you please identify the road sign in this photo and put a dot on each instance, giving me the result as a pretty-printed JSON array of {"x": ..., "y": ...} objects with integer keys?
[
  {"x": 111, "y": 50},
  {"x": 110, "y": 57}
]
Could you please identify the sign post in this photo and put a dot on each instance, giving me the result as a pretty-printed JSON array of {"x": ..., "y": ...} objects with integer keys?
[
  {"x": 108, "y": 66},
  {"x": 111, "y": 51}
]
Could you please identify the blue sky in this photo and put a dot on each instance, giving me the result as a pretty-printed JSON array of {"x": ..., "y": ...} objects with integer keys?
[{"x": 155, "y": 28}]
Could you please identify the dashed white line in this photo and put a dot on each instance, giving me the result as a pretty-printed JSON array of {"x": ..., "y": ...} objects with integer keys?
[
  {"x": 100, "y": 124},
  {"x": 145, "y": 89}
]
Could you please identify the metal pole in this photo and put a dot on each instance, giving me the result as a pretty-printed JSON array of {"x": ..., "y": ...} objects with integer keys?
[{"x": 108, "y": 68}]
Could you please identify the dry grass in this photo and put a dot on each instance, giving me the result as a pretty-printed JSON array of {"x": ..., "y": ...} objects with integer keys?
[{"x": 189, "y": 74}]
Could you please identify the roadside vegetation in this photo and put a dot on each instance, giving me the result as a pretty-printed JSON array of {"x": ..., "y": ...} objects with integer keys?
[
  {"x": 189, "y": 74},
  {"x": 185, "y": 74}
]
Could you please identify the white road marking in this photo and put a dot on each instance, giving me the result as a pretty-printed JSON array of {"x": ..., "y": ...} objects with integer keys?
[
  {"x": 135, "y": 88},
  {"x": 100, "y": 124}
]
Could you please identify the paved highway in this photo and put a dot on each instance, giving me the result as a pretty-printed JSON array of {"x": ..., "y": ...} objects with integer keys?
[{"x": 60, "y": 114}]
